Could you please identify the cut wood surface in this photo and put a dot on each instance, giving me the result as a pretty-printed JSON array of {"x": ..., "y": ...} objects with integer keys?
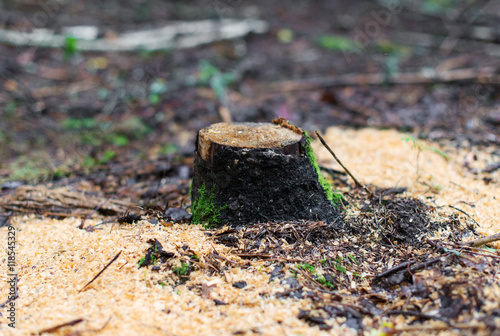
[{"x": 245, "y": 135}]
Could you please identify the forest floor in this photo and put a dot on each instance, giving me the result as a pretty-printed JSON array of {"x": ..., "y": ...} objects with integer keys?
[{"x": 94, "y": 146}]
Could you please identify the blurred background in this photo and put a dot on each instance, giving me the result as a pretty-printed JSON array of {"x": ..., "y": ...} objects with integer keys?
[{"x": 100, "y": 88}]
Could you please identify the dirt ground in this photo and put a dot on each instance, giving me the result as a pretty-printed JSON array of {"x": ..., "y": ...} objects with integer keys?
[
  {"x": 96, "y": 145},
  {"x": 129, "y": 300}
]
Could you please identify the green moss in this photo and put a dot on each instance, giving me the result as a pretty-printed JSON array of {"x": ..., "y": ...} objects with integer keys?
[
  {"x": 183, "y": 269},
  {"x": 204, "y": 209},
  {"x": 334, "y": 198}
]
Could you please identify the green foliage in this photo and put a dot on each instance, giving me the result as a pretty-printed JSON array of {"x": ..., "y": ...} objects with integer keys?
[
  {"x": 339, "y": 43},
  {"x": 117, "y": 139},
  {"x": 70, "y": 46},
  {"x": 320, "y": 278},
  {"x": 133, "y": 126},
  {"x": 307, "y": 267},
  {"x": 108, "y": 155},
  {"x": 334, "y": 198},
  {"x": 183, "y": 269},
  {"x": 168, "y": 149},
  {"x": 418, "y": 145},
  {"x": 204, "y": 209},
  {"x": 394, "y": 53},
  {"x": 79, "y": 123},
  {"x": 340, "y": 268},
  {"x": 156, "y": 89},
  {"x": 439, "y": 6},
  {"x": 27, "y": 172},
  {"x": 391, "y": 48},
  {"x": 285, "y": 35},
  {"x": 218, "y": 81},
  {"x": 353, "y": 259}
]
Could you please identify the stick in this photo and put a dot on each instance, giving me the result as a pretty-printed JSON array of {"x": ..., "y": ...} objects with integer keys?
[
  {"x": 482, "y": 75},
  {"x": 483, "y": 241},
  {"x": 177, "y": 35},
  {"x": 395, "y": 269},
  {"x": 423, "y": 328},
  {"x": 59, "y": 326},
  {"x": 9, "y": 301},
  {"x": 112, "y": 261},
  {"x": 356, "y": 182},
  {"x": 99, "y": 207},
  {"x": 7, "y": 220}
]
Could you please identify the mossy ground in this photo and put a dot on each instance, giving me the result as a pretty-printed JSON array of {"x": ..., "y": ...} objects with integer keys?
[{"x": 333, "y": 197}]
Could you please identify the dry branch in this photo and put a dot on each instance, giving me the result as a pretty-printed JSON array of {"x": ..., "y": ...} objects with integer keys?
[
  {"x": 178, "y": 35},
  {"x": 358, "y": 184},
  {"x": 98, "y": 274},
  {"x": 483, "y": 241},
  {"x": 486, "y": 75}
]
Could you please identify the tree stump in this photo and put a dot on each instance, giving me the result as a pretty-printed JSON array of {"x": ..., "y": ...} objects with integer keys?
[{"x": 258, "y": 172}]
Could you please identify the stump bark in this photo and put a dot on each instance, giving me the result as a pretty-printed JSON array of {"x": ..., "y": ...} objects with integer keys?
[{"x": 257, "y": 172}]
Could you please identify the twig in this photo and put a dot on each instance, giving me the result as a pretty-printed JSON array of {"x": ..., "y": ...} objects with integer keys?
[
  {"x": 441, "y": 248},
  {"x": 481, "y": 75},
  {"x": 225, "y": 259},
  {"x": 112, "y": 260},
  {"x": 7, "y": 220},
  {"x": 423, "y": 328},
  {"x": 59, "y": 326},
  {"x": 177, "y": 35},
  {"x": 9, "y": 301},
  {"x": 417, "y": 314},
  {"x": 253, "y": 255},
  {"x": 356, "y": 182},
  {"x": 483, "y": 241},
  {"x": 395, "y": 269},
  {"x": 100, "y": 206},
  {"x": 465, "y": 213}
]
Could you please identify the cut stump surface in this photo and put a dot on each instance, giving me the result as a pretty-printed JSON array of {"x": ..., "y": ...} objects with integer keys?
[{"x": 257, "y": 172}]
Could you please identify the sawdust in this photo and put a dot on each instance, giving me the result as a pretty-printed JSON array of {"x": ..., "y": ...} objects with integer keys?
[
  {"x": 382, "y": 158},
  {"x": 55, "y": 259}
]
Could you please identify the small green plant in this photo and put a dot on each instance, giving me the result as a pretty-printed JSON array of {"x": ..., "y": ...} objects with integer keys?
[
  {"x": 420, "y": 147},
  {"x": 156, "y": 89},
  {"x": 353, "y": 259},
  {"x": 117, "y": 139},
  {"x": 307, "y": 267},
  {"x": 340, "y": 268},
  {"x": 285, "y": 35},
  {"x": 70, "y": 46},
  {"x": 339, "y": 43},
  {"x": 79, "y": 123},
  {"x": 321, "y": 279},
  {"x": 218, "y": 81},
  {"x": 181, "y": 270},
  {"x": 439, "y": 6},
  {"x": 168, "y": 149},
  {"x": 311, "y": 269}
]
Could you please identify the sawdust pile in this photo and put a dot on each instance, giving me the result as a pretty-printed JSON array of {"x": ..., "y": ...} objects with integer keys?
[
  {"x": 384, "y": 159},
  {"x": 213, "y": 286}
]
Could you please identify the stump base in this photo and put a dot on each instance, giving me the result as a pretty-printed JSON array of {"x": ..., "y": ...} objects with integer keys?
[{"x": 242, "y": 185}]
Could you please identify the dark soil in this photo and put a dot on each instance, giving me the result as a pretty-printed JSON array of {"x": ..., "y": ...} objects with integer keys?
[{"x": 60, "y": 115}]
